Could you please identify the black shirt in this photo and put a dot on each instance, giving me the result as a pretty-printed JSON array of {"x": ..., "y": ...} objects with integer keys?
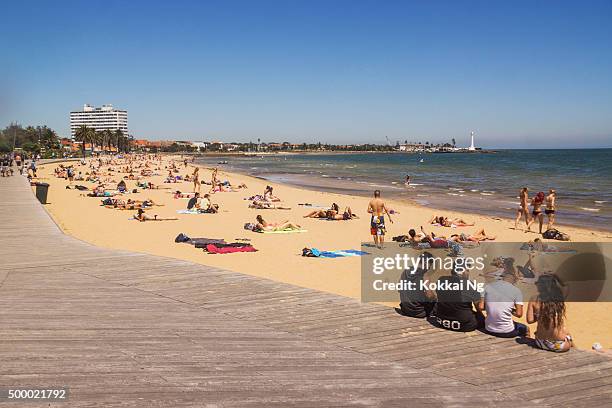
[
  {"x": 192, "y": 202},
  {"x": 454, "y": 309},
  {"x": 414, "y": 303}
]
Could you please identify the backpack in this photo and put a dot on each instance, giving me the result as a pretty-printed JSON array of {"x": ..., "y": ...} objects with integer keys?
[
  {"x": 181, "y": 238},
  {"x": 555, "y": 234},
  {"x": 311, "y": 253}
]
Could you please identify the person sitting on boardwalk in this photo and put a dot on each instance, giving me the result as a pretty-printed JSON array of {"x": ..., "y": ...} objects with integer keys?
[
  {"x": 416, "y": 302},
  {"x": 142, "y": 217},
  {"x": 502, "y": 300},
  {"x": 455, "y": 308},
  {"x": 263, "y": 225},
  {"x": 547, "y": 309}
]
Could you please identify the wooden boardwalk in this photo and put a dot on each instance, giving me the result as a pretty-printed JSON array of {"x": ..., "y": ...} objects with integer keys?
[{"x": 126, "y": 329}]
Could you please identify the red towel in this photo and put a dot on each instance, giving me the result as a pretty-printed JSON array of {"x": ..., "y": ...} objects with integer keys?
[{"x": 213, "y": 249}]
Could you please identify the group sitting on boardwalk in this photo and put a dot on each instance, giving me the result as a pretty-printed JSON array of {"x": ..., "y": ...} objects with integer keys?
[{"x": 492, "y": 311}]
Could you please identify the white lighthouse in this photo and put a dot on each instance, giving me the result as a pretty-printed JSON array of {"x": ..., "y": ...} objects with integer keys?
[{"x": 472, "y": 147}]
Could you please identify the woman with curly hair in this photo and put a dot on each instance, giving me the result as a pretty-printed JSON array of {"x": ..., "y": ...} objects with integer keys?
[{"x": 548, "y": 310}]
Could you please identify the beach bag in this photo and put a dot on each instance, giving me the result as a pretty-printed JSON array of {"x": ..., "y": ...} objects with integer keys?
[
  {"x": 250, "y": 226},
  {"x": 181, "y": 238},
  {"x": 455, "y": 249},
  {"x": 555, "y": 234},
  {"x": 311, "y": 252}
]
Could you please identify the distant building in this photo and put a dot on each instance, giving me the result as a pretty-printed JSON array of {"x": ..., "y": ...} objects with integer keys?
[
  {"x": 201, "y": 145},
  {"x": 104, "y": 118}
]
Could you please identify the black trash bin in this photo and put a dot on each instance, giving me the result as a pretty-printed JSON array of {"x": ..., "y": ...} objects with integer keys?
[{"x": 41, "y": 192}]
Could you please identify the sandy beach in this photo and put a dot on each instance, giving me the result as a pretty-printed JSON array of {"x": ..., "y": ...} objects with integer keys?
[{"x": 278, "y": 256}]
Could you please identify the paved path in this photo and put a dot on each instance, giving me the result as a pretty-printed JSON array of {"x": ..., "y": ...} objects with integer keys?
[{"x": 128, "y": 329}]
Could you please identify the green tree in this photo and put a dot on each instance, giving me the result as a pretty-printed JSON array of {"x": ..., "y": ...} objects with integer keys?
[
  {"x": 121, "y": 141},
  {"x": 84, "y": 135},
  {"x": 108, "y": 138}
]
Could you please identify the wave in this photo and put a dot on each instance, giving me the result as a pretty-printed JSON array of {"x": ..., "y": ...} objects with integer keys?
[{"x": 590, "y": 209}]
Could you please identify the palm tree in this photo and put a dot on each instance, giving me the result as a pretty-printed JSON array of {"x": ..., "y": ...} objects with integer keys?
[
  {"x": 108, "y": 138},
  {"x": 84, "y": 135},
  {"x": 97, "y": 139},
  {"x": 121, "y": 140}
]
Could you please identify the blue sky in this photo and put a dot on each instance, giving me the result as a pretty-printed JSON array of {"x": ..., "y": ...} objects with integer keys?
[{"x": 520, "y": 74}]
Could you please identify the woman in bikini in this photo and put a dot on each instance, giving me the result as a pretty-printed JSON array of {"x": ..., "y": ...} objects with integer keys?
[
  {"x": 522, "y": 209},
  {"x": 268, "y": 196},
  {"x": 142, "y": 217},
  {"x": 536, "y": 212},
  {"x": 263, "y": 225},
  {"x": 348, "y": 214},
  {"x": 547, "y": 309},
  {"x": 196, "y": 180},
  {"x": 446, "y": 222},
  {"x": 323, "y": 213},
  {"x": 478, "y": 236},
  {"x": 316, "y": 214},
  {"x": 551, "y": 205}
]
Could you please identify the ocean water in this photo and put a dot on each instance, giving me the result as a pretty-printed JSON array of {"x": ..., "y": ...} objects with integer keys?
[{"x": 486, "y": 183}]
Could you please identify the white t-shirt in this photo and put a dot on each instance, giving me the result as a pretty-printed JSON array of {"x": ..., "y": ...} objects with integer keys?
[{"x": 500, "y": 299}]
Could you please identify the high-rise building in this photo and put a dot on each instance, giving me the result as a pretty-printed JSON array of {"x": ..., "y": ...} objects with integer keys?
[{"x": 104, "y": 118}]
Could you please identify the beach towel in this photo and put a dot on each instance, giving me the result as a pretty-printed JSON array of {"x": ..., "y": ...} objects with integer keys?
[
  {"x": 228, "y": 248},
  {"x": 197, "y": 242},
  {"x": 203, "y": 242},
  {"x": 283, "y": 231},
  {"x": 192, "y": 211},
  {"x": 257, "y": 197},
  {"x": 341, "y": 253},
  {"x": 315, "y": 253}
]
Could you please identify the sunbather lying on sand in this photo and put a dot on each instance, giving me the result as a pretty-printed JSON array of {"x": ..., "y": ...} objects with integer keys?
[
  {"x": 446, "y": 222},
  {"x": 142, "y": 217},
  {"x": 178, "y": 194},
  {"x": 478, "y": 236},
  {"x": 346, "y": 215},
  {"x": 264, "y": 205},
  {"x": 433, "y": 240},
  {"x": 263, "y": 225},
  {"x": 322, "y": 213}
]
